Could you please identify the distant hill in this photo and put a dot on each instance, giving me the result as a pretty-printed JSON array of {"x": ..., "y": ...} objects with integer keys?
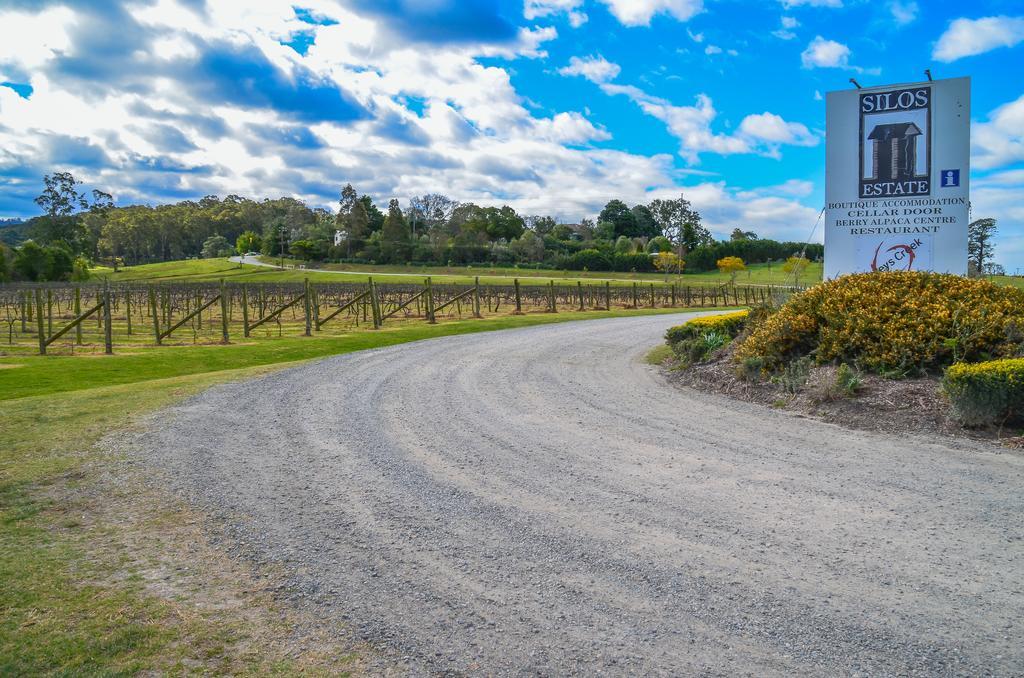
[{"x": 13, "y": 231}]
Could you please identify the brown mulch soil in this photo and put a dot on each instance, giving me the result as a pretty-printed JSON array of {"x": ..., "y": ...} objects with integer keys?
[{"x": 885, "y": 405}]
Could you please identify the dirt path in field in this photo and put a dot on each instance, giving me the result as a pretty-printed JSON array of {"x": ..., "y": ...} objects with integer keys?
[{"x": 537, "y": 501}]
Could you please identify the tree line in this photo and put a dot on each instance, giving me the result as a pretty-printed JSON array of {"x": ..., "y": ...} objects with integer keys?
[{"x": 78, "y": 228}]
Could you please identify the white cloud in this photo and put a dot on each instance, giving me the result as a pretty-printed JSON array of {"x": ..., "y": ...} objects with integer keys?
[
  {"x": 535, "y": 9},
  {"x": 570, "y": 128},
  {"x": 696, "y": 37},
  {"x": 761, "y": 134},
  {"x": 690, "y": 124},
  {"x": 29, "y": 40},
  {"x": 772, "y": 213},
  {"x": 773, "y": 129},
  {"x": 785, "y": 31},
  {"x": 902, "y": 12},
  {"x": 1000, "y": 141},
  {"x": 639, "y": 12},
  {"x": 596, "y": 69},
  {"x": 822, "y": 53},
  {"x": 712, "y": 49},
  {"x": 967, "y": 37}
]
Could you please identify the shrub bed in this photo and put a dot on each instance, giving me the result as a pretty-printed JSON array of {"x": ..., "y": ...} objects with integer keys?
[
  {"x": 986, "y": 393},
  {"x": 695, "y": 339},
  {"x": 895, "y": 321},
  {"x": 728, "y": 324}
]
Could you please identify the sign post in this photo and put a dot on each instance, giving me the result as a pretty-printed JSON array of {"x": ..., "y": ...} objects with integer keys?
[{"x": 896, "y": 178}]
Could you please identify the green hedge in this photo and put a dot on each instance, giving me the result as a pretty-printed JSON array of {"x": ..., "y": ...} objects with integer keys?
[{"x": 986, "y": 393}]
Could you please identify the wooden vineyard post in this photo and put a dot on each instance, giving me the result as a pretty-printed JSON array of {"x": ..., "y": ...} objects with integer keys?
[
  {"x": 78, "y": 312},
  {"x": 24, "y": 312},
  {"x": 156, "y": 314},
  {"x": 39, "y": 322},
  {"x": 430, "y": 301},
  {"x": 224, "y": 304},
  {"x": 519, "y": 298},
  {"x": 607, "y": 295},
  {"x": 108, "y": 331},
  {"x": 49, "y": 311},
  {"x": 245, "y": 311},
  {"x": 316, "y": 308},
  {"x": 673, "y": 295},
  {"x": 476, "y": 297},
  {"x": 636, "y": 299},
  {"x": 653, "y": 302},
  {"x": 128, "y": 310},
  {"x": 579, "y": 288},
  {"x": 308, "y": 309},
  {"x": 551, "y": 296},
  {"x": 375, "y": 305}
]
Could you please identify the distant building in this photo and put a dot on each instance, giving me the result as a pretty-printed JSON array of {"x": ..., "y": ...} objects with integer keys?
[
  {"x": 894, "y": 151},
  {"x": 339, "y": 237}
]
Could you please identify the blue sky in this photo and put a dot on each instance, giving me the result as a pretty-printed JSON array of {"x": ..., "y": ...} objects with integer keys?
[{"x": 551, "y": 106}]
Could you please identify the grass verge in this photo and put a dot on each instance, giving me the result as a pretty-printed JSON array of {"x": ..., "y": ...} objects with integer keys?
[{"x": 658, "y": 355}]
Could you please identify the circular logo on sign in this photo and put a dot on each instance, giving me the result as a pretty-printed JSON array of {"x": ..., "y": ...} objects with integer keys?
[{"x": 901, "y": 259}]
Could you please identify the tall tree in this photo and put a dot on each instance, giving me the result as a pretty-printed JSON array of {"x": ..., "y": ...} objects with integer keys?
[
  {"x": 430, "y": 211},
  {"x": 59, "y": 201},
  {"x": 619, "y": 214},
  {"x": 394, "y": 235},
  {"x": 347, "y": 201},
  {"x": 680, "y": 222},
  {"x": 375, "y": 218},
  {"x": 980, "y": 248},
  {"x": 646, "y": 225}
]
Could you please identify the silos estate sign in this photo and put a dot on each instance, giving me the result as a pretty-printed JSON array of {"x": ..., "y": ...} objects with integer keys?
[{"x": 896, "y": 186}]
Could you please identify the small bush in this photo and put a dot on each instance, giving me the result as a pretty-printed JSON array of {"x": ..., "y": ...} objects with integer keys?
[
  {"x": 829, "y": 384},
  {"x": 695, "y": 349},
  {"x": 714, "y": 340},
  {"x": 727, "y": 324},
  {"x": 986, "y": 393},
  {"x": 794, "y": 375},
  {"x": 750, "y": 369},
  {"x": 848, "y": 380},
  {"x": 688, "y": 351}
]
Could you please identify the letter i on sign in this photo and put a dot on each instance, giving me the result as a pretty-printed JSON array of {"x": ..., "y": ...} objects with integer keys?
[{"x": 950, "y": 178}]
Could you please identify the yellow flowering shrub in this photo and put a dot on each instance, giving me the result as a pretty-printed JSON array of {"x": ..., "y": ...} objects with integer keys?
[
  {"x": 727, "y": 324},
  {"x": 893, "y": 320},
  {"x": 988, "y": 392}
]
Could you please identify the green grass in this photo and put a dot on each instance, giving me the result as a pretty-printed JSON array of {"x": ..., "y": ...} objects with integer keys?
[
  {"x": 23, "y": 375},
  {"x": 214, "y": 269},
  {"x": 74, "y": 599},
  {"x": 659, "y": 354}
]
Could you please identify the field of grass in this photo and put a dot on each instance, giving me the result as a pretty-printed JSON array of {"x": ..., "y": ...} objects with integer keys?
[
  {"x": 213, "y": 269},
  {"x": 105, "y": 573}
]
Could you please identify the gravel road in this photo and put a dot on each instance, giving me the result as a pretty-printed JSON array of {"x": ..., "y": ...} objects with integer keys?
[{"x": 538, "y": 501}]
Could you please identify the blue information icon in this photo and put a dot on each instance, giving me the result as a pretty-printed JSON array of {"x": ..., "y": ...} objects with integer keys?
[{"x": 950, "y": 178}]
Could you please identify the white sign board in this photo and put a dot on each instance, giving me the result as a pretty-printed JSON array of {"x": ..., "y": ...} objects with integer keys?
[{"x": 896, "y": 178}]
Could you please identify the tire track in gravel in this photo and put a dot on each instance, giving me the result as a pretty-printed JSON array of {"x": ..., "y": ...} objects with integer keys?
[{"x": 535, "y": 501}]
